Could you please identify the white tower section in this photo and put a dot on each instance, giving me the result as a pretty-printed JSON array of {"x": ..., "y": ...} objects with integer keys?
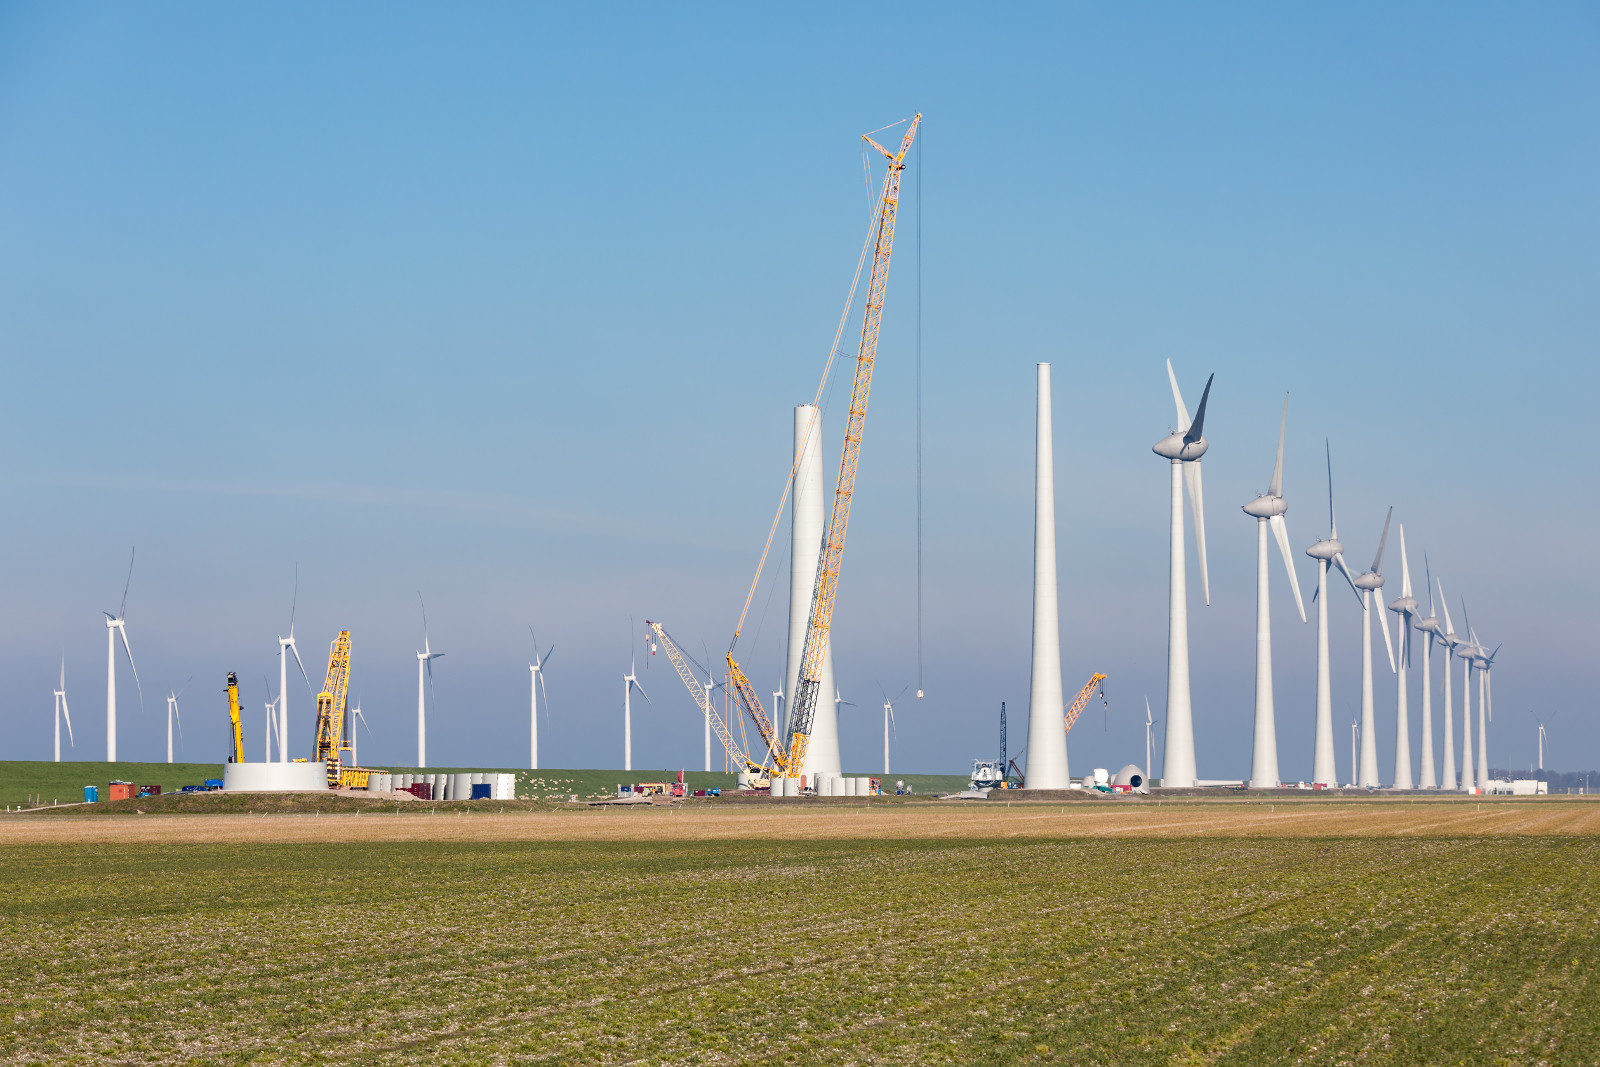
[
  {"x": 1047, "y": 730},
  {"x": 809, "y": 517}
]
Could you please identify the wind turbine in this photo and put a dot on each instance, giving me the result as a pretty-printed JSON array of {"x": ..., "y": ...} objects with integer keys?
[
  {"x": 1541, "y": 739},
  {"x": 425, "y": 660},
  {"x": 1355, "y": 736},
  {"x": 1328, "y": 550},
  {"x": 1405, "y": 605},
  {"x": 1369, "y": 583},
  {"x": 1149, "y": 724},
  {"x": 172, "y": 713},
  {"x": 61, "y": 710},
  {"x": 630, "y": 682},
  {"x": 362, "y": 719},
  {"x": 1183, "y": 448},
  {"x": 115, "y": 625},
  {"x": 1457, "y": 646},
  {"x": 286, "y": 645},
  {"x": 1482, "y": 661},
  {"x": 889, "y": 723},
  {"x": 1435, "y": 631},
  {"x": 1268, "y": 510},
  {"x": 535, "y": 683},
  {"x": 272, "y": 718}
]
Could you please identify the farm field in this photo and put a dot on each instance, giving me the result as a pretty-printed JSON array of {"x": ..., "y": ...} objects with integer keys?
[{"x": 1210, "y": 933}]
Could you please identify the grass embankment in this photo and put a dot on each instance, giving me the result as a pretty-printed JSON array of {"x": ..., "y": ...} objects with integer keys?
[{"x": 1238, "y": 950}]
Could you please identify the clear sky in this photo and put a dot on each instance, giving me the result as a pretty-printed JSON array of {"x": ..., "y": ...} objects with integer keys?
[{"x": 509, "y": 305}]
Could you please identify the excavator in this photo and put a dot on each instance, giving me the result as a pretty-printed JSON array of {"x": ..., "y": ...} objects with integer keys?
[{"x": 233, "y": 714}]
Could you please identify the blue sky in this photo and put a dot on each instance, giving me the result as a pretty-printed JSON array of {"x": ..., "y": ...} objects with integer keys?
[{"x": 509, "y": 306}]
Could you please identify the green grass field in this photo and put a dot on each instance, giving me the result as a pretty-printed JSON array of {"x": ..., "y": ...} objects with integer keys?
[
  {"x": 1114, "y": 951},
  {"x": 23, "y": 780}
]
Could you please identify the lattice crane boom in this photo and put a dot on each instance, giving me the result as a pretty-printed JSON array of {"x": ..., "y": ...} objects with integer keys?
[
  {"x": 702, "y": 698},
  {"x": 1081, "y": 701},
  {"x": 832, "y": 555},
  {"x": 330, "y": 709}
]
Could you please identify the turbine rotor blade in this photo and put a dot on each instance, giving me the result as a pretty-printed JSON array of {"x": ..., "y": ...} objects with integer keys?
[
  {"x": 1344, "y": 568},
  {"x": 1177, "y": 400},
  {"x": 1197, "y": 504},
  {"x": 1280, "y": 531},
  {"x": 1383, "y": 624},
  {"x": 126, "y": 585},
  {"x": 1405, "y": 565},
  {"x": 1444, "y": 603},
  {"x": 1377, "y": 561},
  {"x": 123, "y": 631},
  {"x": 1197, "y": 428},
  {"x": 65, "y": 711},
  {"x": 303, "y": 673},
  {"x": 1277, "y": 467},
  {"x": 1333, "y": 519}
]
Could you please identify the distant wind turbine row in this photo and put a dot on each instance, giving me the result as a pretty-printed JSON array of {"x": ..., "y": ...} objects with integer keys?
[{"x": 1183, "y": 448}]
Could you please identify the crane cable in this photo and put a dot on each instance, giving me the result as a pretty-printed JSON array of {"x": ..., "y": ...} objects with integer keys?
[{"x": 794, "y": 467}]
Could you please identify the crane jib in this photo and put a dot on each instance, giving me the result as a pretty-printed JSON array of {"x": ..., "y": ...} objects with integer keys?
[{"x": 831, "y": 556}]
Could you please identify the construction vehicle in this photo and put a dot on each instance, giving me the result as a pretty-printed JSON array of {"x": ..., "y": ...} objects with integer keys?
[
  {"x": 831, "y": 557},
  {"x": 1000, "y": 777},
  {"x": 233, "y": 715},
  {"x": 333, "y": 739}
]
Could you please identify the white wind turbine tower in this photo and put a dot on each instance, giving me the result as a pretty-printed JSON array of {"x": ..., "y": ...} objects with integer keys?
[
  {"x": 630, "y": 682},
  {"x": 272, "y": 718},
  {"x": 1405, "y": 605},
  {"x": 1184, "y": 449},
  {"x": 1268, "y": 510},
  {"x": 1369, "y": 584},
  {"x": 116, "y": 625},
  {"x": 1326, "y": 551},
  {"x": 535, "y": 683},
  {"x": 1455, "y": 645},
  {"x": 61, "y": 710},
  {"x": 172, "y": 713},
  {"x": 285, "y": 646},
  {"x": 425, "y": 660},
  {"x": 889, "y": 723},
  {"x": 1435, "y": 631}
]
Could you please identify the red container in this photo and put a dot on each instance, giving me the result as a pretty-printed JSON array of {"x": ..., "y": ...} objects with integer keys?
[
  {"x": 119, "y": 791},
  {"x": 150, "y": 790}
]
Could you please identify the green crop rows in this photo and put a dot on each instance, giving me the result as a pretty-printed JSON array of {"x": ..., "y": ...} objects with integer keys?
[{"x": 1388, "y": 951}]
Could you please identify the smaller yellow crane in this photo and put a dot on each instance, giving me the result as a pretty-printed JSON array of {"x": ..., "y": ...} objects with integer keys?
[
  {"x": 1081, "y": 701},
  {"x": 233, "y": 714}
]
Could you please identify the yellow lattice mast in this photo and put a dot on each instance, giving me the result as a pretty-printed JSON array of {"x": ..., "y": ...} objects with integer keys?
[
  {"x": 330, "y": 709},
  {"x": 832, "y": 555}
]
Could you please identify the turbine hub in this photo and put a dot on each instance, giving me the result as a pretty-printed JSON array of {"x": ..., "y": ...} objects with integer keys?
[
  {"x": 1266, "y": 506},
  {"x": 1325, "y": 550}
]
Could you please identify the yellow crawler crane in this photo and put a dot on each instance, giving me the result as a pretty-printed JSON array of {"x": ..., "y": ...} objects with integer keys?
[
  {"x": 1081, "y": 701},
  {"x": 702, "y": 698},
  {"x": 832, "y": 555},
  {"x": 233, "y": 715},
  {"x": 331, "y": 740}
]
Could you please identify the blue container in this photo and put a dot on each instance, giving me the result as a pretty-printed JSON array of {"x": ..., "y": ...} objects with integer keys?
[
  {"x": 213, "y": 783},
  {"x": 91, "y": 794},
  {"x": 481, "y": 792}
]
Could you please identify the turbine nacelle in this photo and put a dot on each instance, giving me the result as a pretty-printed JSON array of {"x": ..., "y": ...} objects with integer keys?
[
  {"x": 1406, "y": 605},
  {"x": 1266, "y": 506},
  {"x": 1430, "y": 625},
  {"x": 1177, "y": 446},
  {"x": 1326, "y": 550},
  {"x": 1371, "y": 580}
]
